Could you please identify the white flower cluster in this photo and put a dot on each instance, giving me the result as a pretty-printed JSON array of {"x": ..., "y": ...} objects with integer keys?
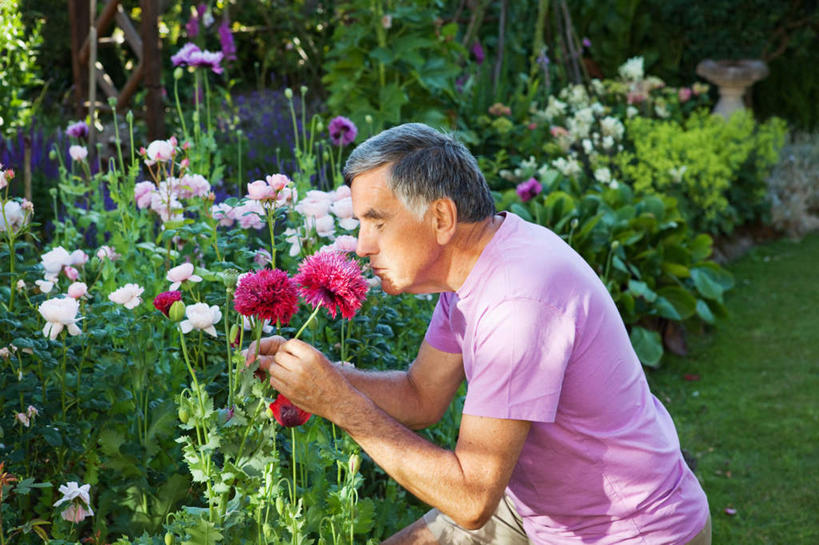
[{"x": 164, "y": 199}]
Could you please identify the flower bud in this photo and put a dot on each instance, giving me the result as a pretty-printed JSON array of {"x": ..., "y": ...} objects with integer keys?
[
  {"x": 319, "y": 126},
  {"x": 177, "y": 311},
  {"x": 354, "y": 464},
  {"x": 288, "y": 93},
  {"x": 230, "y": 277},
  {"x": 169, "y": 538},
  {"x": 303, "y": 90},
  {"x": 575, "y": 222},
  {"x": 129, "y": 117},
  {"x": 52, "y": 155},
  {"x": 368, "y": 119},
  {"x": 615, "y": 245},
  {"x": 183, "y": 414},
  {"x": 234, "y": 336},
  {"x": 112, "y": 102},
  {"x": 177, "y": 74}
]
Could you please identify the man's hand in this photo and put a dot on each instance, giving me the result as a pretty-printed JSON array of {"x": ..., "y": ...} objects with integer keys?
[{"x": 267, "y": 349}]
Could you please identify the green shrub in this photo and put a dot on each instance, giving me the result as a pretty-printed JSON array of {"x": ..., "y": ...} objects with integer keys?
[
  {"x": 716, "y": 168},
  {"x": 19, "y": 72}
]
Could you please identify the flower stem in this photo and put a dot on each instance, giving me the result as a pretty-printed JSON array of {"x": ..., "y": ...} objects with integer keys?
[{"x": 310, "y": 319}]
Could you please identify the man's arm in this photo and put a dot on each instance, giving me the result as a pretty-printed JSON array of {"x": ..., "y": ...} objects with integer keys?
[
  {"x": 417, "y": 398},
  {"x": 466, "y": 484}
]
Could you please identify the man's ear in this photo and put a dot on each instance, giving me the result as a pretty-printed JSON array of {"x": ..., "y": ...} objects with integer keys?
[{"x": 444, "y": 219}]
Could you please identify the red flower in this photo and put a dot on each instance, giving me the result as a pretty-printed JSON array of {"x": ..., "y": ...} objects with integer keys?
[
  {"x": 268, "y": 295},
  {"x": 287, "y": 414},
  {"x": 164, "y": 300},
  {"x": 330, "y": 280}
]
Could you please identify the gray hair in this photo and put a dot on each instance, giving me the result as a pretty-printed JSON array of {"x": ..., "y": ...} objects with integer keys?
[{"x": 426, "y": 165}]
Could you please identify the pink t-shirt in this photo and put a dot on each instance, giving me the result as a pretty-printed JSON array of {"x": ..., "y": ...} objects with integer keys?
[{"x": 543, "y": 341}]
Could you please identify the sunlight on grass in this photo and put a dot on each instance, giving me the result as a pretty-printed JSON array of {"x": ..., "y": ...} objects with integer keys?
[{"x": 745, "y": 399}]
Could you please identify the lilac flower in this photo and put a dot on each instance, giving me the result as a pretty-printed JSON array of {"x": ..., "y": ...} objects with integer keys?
[
  {"x": 477, "y": 50},
  {"x": 226, "y": 39},
  {"x": 183, "y": 56},
  {"x": 77, "y": 130},
  {"x": 342, "y": 131},
  {"x": 586, "y": 43},
  {"x": 192, "y": 26},
  {"x": 207, "y": 59},
  {"x": 529, "y": 189}
]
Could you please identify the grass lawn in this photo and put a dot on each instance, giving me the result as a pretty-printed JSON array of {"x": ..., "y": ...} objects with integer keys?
[{"x": 750, "y": 412}]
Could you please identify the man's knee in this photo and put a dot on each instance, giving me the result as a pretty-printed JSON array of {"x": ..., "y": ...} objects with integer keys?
[{"x": 416, "y": 533}]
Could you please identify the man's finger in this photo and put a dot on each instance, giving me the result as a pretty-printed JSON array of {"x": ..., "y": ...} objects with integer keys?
[{"x": 268, "y": 346}]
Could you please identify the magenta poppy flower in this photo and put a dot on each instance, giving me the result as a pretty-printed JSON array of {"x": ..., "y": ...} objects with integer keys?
[
  {"x": 332, "y": 281},
  {"x": 164, "y": 300},
  {"x": 268, "y": 294},
  {"x": 529, "y": 189}
]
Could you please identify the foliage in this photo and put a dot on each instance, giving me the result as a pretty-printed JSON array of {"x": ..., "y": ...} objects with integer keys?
[
  {"x": 19, "y": 70},
  {"x": 390, "y": 58},
  {"x": 793, "y": 187},
  {"x": 716, "y": 168}
]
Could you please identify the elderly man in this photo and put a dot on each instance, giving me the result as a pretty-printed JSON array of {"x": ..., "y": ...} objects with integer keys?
[{"x": 561, "y": 441}]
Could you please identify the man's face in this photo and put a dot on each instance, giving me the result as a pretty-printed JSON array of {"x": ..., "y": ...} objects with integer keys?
[{"x": 402, "y": 249}]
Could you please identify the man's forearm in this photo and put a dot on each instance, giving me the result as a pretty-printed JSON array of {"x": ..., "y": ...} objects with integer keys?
[{"x": 392, "y": 392}]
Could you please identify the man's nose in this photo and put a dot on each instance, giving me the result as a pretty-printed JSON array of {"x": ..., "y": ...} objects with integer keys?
[{"x": 366, "y": 245}]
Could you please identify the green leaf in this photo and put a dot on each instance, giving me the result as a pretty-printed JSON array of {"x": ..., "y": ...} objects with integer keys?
[
  {"x": 641, "y": 289},
  {"x": 681, "y": 299},
  {"x": 706, "y": 284},
  {"x": 665, "y": 309},
  {"x": 704, "y": 312},
  {"x": 648, "y": 345},
  {"x": 203, "y": 533},
  {"x": 521, "y": 211},
  {"x": 675, "y": 269},
  {"x": 110, "y": 441},
  {"x": 701, "y": 247}
]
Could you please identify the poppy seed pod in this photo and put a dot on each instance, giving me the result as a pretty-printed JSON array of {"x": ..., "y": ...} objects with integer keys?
[{"x": 177, "y": 311}]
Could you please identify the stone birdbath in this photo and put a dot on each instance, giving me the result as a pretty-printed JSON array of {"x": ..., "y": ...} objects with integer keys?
[{"x": 732, "y": 77}]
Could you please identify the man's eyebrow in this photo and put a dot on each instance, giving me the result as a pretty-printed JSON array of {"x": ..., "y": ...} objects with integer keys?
[{"x": 373, "y": 214}]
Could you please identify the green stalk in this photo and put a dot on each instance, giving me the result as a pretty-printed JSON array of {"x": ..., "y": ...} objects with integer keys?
[
  {"x": 178, "y": 109},
  {"x": 310, "y": 319}
]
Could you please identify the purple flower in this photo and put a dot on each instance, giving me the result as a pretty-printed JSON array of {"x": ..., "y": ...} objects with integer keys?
[
  {"x": 477, "y": 50},
  {"x": 77, "y": 130},
  {"x": 192, "y": 26},
  {"x": 529, "y": 189},
  {"x": 226, "y": 39},
  {"x": 586, "y": 43},
  {"x": 207, "y": 59},
  {"x": 183, "y": 56},
  {"x": 342, "y": 131}
]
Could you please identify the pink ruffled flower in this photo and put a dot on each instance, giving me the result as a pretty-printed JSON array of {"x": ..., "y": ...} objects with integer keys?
[
  {"x": 260, "y": 190},
  {"x": 160, "y": 151},
  {"x": 315, "y": 204},
  {"x": 330, "y": 280},
  {"x": 249, "y": 215},
  {"x": 182, "y": 273},
  {"x": 142, "y": 194},
  {"x": 342, "y": 208},
  {"x": 341, "y": 192},
  {"x": 71, "y": 273},
  {"x": 183, "y": 56},
  {"x": 107, "y": 252},
  {"x": 268, "y": 295},
  {"x": 78, "y": 258},
  {"x": 325, "y": 225},
  {"x": 223, "y": 213},
  {"x": 192, "y": 185},
  {"x": 684, "y": 94},
  {"x": 164, "y": 300},
  {"x": 278, "y": 181}
]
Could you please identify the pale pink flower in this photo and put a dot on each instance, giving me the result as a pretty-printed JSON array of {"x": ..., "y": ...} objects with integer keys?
[
  {"x": 60, "y": 313},
  {"x": 54, "y": 260},
  {"x": 341, "y": 192},
  {"x": 684, "y": 94},
  {"x": 249, "y": 214},
  {"x": 5, "y": 353},
  {"x": 262, "y": 257},
  {"x": 182, "y": 273},
  {"x": 107, "y": 252},
  {"x": 167, "y": 206},
  {"x": 31, "y": 411},
  {"x": 315, "y": 204},
  {"x": 343, "y": 208},
  {"x": 260, "y": 191},
  {"x": 78, "y": 153},
  {"x": 12, "y": 216},
  {"x": 71, "y": 273},
  {"x": 287, "y": 195},
  {"x": 45, "y": 285},
  {"x": 348, "y": 224},
  {"x": 78, "y": 258},
  {"x": 201, "y": 316},
  {"x": 77, "y": 290},
  {"x": 23, "y": 419},
  {"x": 4, "y": 179},
  {"x": 160, "y": 150},
  {"x": 277, "y": 181},
  {"x": 325, "y": 225},
  {"x": 222, "y": 212},
  {"x": 142, "y": 194},
  {"x": 79, "y": 499},
  {"x": 193, "y": 185},
  {"x": 21, "y": 285},
  {"x": 293, "y": 238},
  {"x": 346, "y": 243},
  {"x": 128, "y": 295},
  {"x": 27, "y": 205},
  {"x": 76, "y": 513}
]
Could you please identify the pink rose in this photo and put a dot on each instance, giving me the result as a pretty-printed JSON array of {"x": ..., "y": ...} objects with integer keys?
[
  {"x": 182, "y": 273},
  {"x": 71, "y": 273},
  {"x": 77, "y": 290},
  {"x": 260, "y": 191}
]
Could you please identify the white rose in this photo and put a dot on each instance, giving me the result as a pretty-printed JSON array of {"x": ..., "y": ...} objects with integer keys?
[
  {"x": 602, "y": 175},
  {"x": 12, "y": 217},
  {"x": 55, "y": 260},
  {"x": 201, "y": 316},
  {"x": 60, "y": 313},
  {"x": 160, "y": 150},
  {"x": 78, "y": 153},
  {"x": 127, "y": 295}
]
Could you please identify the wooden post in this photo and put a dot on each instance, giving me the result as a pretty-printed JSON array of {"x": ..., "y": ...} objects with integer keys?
[
  {"x": 79, "y": 18},
  {"x": 92, "y": 84},
  {"x": 154, "y": 110}
]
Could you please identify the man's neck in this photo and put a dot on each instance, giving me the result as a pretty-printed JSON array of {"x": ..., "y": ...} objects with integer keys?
[{"x": 466, "y": 247}]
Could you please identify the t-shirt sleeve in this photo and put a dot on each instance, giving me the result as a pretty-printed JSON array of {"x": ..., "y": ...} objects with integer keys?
[
  {"x": 439, "y": 333},
  {"x": 521, "y": 350}
]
